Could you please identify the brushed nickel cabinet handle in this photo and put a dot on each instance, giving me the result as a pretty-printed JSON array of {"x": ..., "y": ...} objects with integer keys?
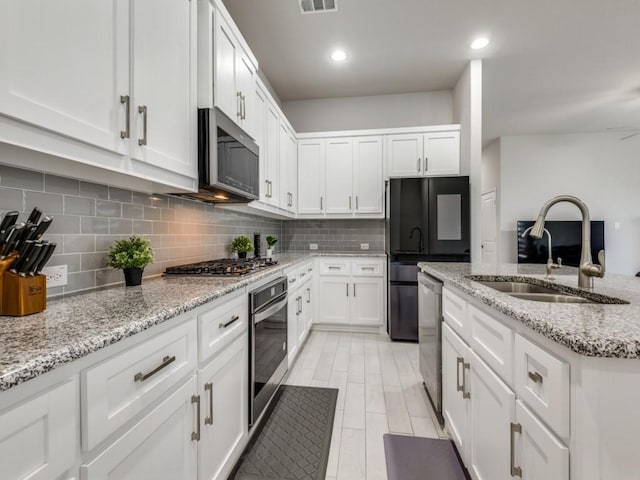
[
  {"x": 349, "y": 202},
  {"x": 270, "y": 189},
  {"x": 239, "y": 105},
  {"x": 354, "y": 289},
  {"x": 166, "y": 361},
  {"x": 465, "y": 392},
  {"x": 535, "y": 376},
  {"x": 234, "y": 319},
  {"x": 195, "y": 399},
  {"x": 347, "y": 285},
  {"x": 208, "y": 387},
  {"x": 243, "y": 109},
  {"x": 459, "y": 361},
  {"x": 142, "y": 109},
  {"x": 308, "y": 295},
  {"x": 321, "y": 207},
  {"x": 334, "y": 268},
  {"x": 357, "y": 207},
  {"x": 426, "y": 164},
  {"x": 515, "y": 471},
  {"x": 419, "y": 164},
  {"x": 126, "y": 101}
]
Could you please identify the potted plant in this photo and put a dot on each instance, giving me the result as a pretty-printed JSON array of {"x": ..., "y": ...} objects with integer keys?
[
  {"x": 271, "y": 241},
  {"x": 241, "y": 245},
  {"x": 131, "y": 255}
]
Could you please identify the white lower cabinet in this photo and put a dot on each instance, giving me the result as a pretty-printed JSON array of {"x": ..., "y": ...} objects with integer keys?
[
  {"x": 367, "y": 301},
  {"x": 299, "y": 316},
  {"x": 292, "y": 326},
  {"x": 333, "y": 300},
  {"x": 39, "y": 438},
  {"x": 223, "y": 389},
  {"x": 538, "y": 454},
  {"x": 492, "y": 411},
  {"x": 163, "y": 445}
]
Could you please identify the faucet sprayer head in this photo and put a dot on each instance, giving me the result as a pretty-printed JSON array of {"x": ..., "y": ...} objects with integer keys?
[{"x": 537, "y": 231}]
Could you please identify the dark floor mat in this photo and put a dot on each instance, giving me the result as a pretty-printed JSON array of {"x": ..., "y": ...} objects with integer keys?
[
  {"x": 294, "y": 442},
  {"x": 416, "y": 458}
]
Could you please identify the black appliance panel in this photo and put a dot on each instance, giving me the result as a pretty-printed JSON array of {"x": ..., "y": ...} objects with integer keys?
[
  {"x": 449, "y": 216},
  {"x": 403, "y": 311},
  {"x": 566, "y": 242}
]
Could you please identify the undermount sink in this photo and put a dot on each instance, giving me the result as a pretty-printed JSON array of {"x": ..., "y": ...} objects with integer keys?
[{"x": 535, "y": 293}]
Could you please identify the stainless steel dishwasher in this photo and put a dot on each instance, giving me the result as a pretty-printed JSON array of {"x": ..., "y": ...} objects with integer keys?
[{"x": 430, "y": 338}]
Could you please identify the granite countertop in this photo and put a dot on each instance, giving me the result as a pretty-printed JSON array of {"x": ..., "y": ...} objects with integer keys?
[
  {"x": 590, "y": 329},
  {"x": 73, "y": 327}
]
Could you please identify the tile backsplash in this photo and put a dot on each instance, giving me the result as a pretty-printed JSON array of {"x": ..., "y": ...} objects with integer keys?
[
  {"x": 333, "y": 235},
  {"x": 89, "y": 217}
]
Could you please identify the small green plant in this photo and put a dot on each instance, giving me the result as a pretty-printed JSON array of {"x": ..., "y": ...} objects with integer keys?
[
  {"x": 271, "y": 240},
  {"x": 241, "y": 244},
  {"x": 134, "y": 252}
]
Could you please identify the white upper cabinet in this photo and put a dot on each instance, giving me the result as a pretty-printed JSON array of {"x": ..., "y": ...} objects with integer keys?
[
  {"x": 292, "y": 171},
  {"x": 423, "y": 154},
  {"x": 163, "y": 98},
  {"x": 260, "y": 130},
  {"x": 283, "y": 160},
  {"x": 65, "y": 65},
  {"x": 339, "y": 176},
  {"x": 272, "y": 172},
  {"x": 368, "y": 174},
  {"x": 234, "y": 72},
  {"x": 311, "y": 168}
]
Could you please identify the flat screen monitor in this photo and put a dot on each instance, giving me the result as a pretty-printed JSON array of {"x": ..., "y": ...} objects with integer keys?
[{"x": 566, "y": 242}]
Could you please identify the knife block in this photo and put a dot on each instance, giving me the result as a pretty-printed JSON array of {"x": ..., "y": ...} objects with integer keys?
[{"x": 23, "y": 295}]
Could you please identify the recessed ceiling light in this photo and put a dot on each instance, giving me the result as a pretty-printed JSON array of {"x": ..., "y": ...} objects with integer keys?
[
  {"x": 339, "y": 56},
  {"x": 479, "y": 43}
]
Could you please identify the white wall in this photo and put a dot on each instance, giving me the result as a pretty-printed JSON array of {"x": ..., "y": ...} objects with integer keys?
[
  {"x": 380, "y": 111},
  {"x": 467, "y": 111},
  {"x": 597, "y": 168}
]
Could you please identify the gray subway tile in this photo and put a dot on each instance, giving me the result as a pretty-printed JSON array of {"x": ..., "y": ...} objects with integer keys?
[
  {"x": 120, "y": 226},
  {"x": 20, "y": 178},
  {"x": 160, "y": 228},
  {"x": 94, "y": 225},
  {"x": 140, "y": 198},
  {"x": 93, "y": 261},
  {"x": 168, "y": 214},
  {"x": 104, "y": 242},
  {"x": 65, "y": 224},
  {"x": 132, "y": 211},
  {"x": 151, "y": 213},
  {"x": 106, "y": 208},
  {"x": 79, "y": 206},
  {"x": 120, "y": 195},
  {"x": 80, "y": 281},
  {"x": 71, "y": 260},
  {"x": 11, "y": 199},
  {"x": 54, "y": 291},
  {"x": 142, "y": 227},
  {"x": 55, "y": 184},
  {"x": 94, "y": 190},
  {"x": 79, "y": 243},
  {"x": 108, "y": 276}
]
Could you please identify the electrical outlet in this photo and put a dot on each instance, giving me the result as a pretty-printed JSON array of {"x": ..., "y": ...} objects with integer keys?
[
  {"x": 56, "y": 276},
  {"x": 364, "y": 246},
  {"x": 313, "y": 246}
]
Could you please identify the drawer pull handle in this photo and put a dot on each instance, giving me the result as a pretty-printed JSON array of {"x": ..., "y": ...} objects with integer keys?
[
  {"x": 208, "y": 387},
  {"x": 535, "y": 376},
  {"x": 370, "y": 269},
  {"x": 302, "y": 274},
  {"x": 166, "y": 361},
  {"x": 142, "y": 109},
  {"x": 462, "y": 387},
  {"x": 334, "y": 268},
  {"x": 234, "y": 319},
  {"x": 126, "y": 101},
  {"x": 196, "y": 435},
  {"x": 515, "y": 471},
  {"x": 310, "y": 269}
]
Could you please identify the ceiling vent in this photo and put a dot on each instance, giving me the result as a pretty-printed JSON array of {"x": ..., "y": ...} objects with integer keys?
[{"x": 318, "y": 6}]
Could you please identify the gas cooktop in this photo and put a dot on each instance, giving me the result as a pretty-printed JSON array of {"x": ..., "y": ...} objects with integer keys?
[{"x": 224, "y": 267}]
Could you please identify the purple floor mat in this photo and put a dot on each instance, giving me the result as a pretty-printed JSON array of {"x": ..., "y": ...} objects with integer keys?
[{"x": 415, "y": 458}]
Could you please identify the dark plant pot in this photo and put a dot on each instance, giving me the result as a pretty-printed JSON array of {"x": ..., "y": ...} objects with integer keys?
[
  {"x": 242, "y": 254},
  {"x": 133, "y": 276}
]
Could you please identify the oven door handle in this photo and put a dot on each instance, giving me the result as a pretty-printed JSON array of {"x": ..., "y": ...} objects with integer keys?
[{"x": 259, "y": 317}]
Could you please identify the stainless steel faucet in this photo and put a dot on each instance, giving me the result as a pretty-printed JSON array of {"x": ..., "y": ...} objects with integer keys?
[
  {"x": 587, "y": 269},
  {"x": 551, "y": 265}
]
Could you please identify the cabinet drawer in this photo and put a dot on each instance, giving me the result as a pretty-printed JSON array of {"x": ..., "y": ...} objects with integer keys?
[
  {"x": 542, "y": 382},
  {"x": 39, "y": 437},
  {"x": 305, "y": 271},
  {"x": 454, "y": 311},
  {"x": 119, "y": 388},
  {"x": 220, "y": 325},
  {"x": 493, "y": 342},
  {"x": 292, "y": 278},
  {"x": 334, "y": 267},
  {"x": 368, "y": 268}
]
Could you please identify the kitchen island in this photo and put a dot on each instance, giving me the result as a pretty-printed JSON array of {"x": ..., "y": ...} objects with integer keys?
[{"x": 536, "y": 389}]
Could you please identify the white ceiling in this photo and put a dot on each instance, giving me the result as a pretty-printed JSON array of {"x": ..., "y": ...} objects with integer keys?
[{"x": 554, "y": 66}]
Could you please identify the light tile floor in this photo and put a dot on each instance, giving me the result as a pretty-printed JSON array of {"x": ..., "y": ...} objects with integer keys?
[{"x": 380, "y": 391}]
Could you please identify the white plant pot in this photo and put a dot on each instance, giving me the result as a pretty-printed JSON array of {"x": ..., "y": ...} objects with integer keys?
[{"x": 269, "y": 252}]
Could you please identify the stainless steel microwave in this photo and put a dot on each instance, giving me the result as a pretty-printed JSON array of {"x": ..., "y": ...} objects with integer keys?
[{"x": 228, "y": 160}]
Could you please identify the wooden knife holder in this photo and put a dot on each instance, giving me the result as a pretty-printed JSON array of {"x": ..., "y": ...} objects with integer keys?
[{"x": 22, "y": 295}]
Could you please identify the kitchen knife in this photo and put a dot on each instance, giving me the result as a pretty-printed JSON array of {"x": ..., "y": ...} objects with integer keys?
[
  {"x": 31, "y": 260},
  {"x": 12, "y": 237},
  {"x": 42, "y": 227},
  {"x": 35, "y": 261},
  {"x": 42, "y": 262},
  {"x": 8, "y": 221},
  {"x": 35, "y": 215},
  {"x": 27, "y": 233},
  {"x": 23, "y": 253}
]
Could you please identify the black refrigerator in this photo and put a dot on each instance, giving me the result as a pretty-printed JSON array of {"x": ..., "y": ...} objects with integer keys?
[{"x": 427, "y": 220}]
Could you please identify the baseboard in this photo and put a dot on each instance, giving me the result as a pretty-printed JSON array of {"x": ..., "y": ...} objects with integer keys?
[{"x": 325, "y": 327}]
